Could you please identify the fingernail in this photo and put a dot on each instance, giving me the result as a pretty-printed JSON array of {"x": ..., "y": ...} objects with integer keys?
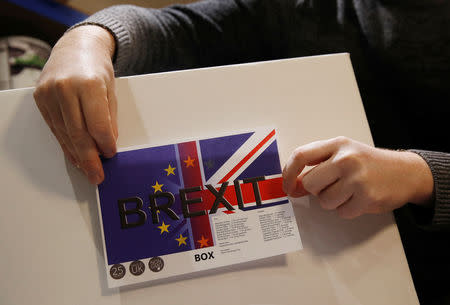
[
  {"x": 109, "y": 154},
  {"x": 94, "y": 178},
  {"x": 300, "y": 190}
]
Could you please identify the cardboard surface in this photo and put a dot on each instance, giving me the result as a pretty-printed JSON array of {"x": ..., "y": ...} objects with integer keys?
[{"x": 50, "y": 236}]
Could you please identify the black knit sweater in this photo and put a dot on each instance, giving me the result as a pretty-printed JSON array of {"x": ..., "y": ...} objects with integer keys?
[{"x": 400, "y": 51}]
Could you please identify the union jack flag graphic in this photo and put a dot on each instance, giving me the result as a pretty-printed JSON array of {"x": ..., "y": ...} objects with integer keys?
[{"x": 242, "y": 170}]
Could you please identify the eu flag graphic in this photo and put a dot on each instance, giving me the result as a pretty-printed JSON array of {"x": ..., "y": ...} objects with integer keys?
[{"x": 132, "y": 177}]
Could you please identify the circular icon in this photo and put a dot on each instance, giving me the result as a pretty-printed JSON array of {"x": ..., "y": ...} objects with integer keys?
[
  {"x": 137, "y": 268},
  {"x": 117, "y": 271},
  {"x": 156, "y": 264}
]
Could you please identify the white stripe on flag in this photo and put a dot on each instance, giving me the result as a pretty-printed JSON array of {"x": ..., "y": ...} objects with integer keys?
[{"x": 240, "y": 154}]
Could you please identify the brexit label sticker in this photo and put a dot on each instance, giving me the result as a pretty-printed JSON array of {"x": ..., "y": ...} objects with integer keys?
[{"x": 191, "y": 206}]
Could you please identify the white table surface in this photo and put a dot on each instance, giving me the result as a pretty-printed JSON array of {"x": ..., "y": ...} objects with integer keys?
[{"x": 50, "y": 240}]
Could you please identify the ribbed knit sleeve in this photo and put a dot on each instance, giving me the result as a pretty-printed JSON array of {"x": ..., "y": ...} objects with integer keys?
[
  {"x": 129, "y": 26},
  {"x": 204, "y": 33},
  {"x": 114, "y": 20},
  {"x": 439, "y": 164}
]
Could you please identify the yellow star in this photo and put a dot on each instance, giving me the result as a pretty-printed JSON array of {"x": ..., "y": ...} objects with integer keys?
[
  {"x": 203, "y": 242},
  {"x": 189, "y": 162},
  {"x": 181, "y": 240},
  {"x": 157, "y": 186},
  {"x": 170, "y": 170},
  {"x": 164, "y": 228}
]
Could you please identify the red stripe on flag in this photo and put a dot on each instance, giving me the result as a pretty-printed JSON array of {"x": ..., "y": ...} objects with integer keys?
[
  {"x": 192, "y": 177},
  {"x": 248, "y": 156},
  {"x": 269, "y": 189}
]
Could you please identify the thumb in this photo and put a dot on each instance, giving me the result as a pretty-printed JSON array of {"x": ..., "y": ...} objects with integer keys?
[{"x": 306, "y": 155}]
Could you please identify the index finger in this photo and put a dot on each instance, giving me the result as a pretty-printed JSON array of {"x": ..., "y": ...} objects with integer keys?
[
  {"x": 95, "y": 105},
  {"x": 306, "y": 155},
  {"x": 80, "y": 138}
]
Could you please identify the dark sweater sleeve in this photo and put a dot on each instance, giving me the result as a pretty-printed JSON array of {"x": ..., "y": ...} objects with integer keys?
[
  {"x": 201, "y": 34},
  {"x": 439, "y": 216}
]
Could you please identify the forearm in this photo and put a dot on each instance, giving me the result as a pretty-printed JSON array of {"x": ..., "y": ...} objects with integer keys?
[{"x": 90, "y": 38}]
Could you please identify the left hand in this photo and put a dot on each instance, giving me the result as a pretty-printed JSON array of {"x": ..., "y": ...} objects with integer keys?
[
  {"x": 76, "y": 97},
  {"x": 356, "y": 179}
]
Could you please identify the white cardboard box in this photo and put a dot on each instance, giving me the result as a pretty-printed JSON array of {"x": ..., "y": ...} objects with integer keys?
[{"x": 50, "y": 241}]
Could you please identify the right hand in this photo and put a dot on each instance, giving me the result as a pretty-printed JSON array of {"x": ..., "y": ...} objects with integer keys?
[
  {"x": 355, "y": 179},
  {"x": 75, "y": 95}
]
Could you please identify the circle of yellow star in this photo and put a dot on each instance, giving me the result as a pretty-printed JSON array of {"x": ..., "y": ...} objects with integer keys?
[
  {"x": 170, "y": 170},
  {"x": 203, "y": 242},
  {"x": 164, "y": 228},
  {"x": 189, "y": 162},
  {"x": 157, "y": 186},
  {"x": 181, "y": 240}
]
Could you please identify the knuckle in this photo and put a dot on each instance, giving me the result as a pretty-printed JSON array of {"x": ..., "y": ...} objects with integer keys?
[
  {"x": 40, "y": 92},
  {"x": 62, "y": 84},
  {"x": 108, "y": 75},
  {"x": 342, "y": 140},
  {"x": 94, "y": 82},
  {"x": 77, "y": 136},
  {"x": 100, "y": 130},
  {"x": 308, "y": 186},
  {"x": 299, "y": 154},
  {"x": 350, "y": 160},
  {"x": 361, "y": 183},
  {"x": 65, "y": 84},
  {"x": 37, "y": 94}
]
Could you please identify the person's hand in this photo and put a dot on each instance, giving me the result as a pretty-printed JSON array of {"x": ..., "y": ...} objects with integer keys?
[
  {"x": 355, "y": 178},
  {"x": 75, "y": 95}
]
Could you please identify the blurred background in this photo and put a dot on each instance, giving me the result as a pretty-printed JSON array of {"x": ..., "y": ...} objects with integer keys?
[{"x": 29, "y": 28}]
